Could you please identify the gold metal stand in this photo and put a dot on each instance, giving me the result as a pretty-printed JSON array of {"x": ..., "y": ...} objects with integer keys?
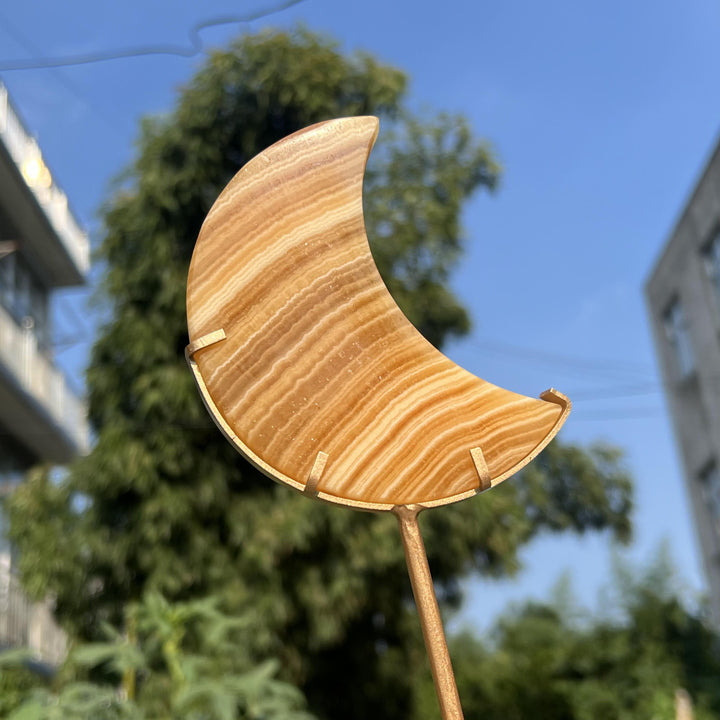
[
  {"x": 368, "y": 402},
  {"x": 429, "y": 612}
]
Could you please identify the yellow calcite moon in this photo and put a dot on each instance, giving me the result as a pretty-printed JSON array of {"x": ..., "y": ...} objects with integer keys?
[{"x": 308, "y": 365}]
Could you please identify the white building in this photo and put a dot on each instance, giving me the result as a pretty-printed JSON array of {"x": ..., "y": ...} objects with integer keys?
[
  {"x": 683, "y": 296},
  {"x": 41, "y": 419}
]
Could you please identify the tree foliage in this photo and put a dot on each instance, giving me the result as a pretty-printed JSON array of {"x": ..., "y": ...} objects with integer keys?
[
  {"x": 182, "y": 661},
  {"x": 163, "y": 502},
  {"x": 552, "y": 661}
]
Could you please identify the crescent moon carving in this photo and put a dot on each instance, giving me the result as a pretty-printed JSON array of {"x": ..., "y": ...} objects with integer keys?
[{"x": 307, "y": 364}]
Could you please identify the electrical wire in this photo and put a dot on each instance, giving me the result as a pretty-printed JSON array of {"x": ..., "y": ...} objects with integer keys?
[
  {"x": 617, "y": 392},
  {"x": 33, "y": 50},
  {"x": 195, "y": 47},
  {"x": 638, "y": 413},
  {"x": 614, "y": 369},
  {"x": 29, "y": 46},
  {"x": 82, "y": 335}
]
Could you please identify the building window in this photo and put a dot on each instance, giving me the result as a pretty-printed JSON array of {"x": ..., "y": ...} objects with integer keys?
[
  {"x": 710, "y": 479},
  {"x": 7, "y": 280},
  {"x": 22, "y": 294},
  {"x": 676, "y": 330},
  {"x": 711, "y": 258}
]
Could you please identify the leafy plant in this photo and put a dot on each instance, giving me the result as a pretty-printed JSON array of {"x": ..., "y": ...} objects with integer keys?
[{"x": 182, "y": 661}]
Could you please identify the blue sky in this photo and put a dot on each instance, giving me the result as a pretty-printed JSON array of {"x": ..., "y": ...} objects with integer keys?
[{"x": 602, "y": 116}]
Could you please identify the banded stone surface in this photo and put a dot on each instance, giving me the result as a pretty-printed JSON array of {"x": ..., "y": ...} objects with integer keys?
[{"x": 313, "y": 371}]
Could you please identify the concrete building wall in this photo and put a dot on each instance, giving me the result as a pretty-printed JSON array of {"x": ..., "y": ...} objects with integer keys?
[{"x": 683, "y": 297}]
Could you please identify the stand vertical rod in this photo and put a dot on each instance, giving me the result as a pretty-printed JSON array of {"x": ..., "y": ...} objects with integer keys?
[{"x": 429, "y": 612}]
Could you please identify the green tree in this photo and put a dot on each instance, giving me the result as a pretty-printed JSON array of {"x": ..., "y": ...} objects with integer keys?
[
  {"x": 164, "y": 503},
  {"x": 557, "y": 662}
]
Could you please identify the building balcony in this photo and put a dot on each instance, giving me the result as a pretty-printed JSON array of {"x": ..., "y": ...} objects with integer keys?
[
  {"x": 33, "y": 207},
  {"x": 36, "y": 403}
]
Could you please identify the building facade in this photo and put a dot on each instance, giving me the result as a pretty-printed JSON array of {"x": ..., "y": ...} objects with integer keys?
[
  {"x": 683, "y": 298},
  {"x": 42, "y": 420}
]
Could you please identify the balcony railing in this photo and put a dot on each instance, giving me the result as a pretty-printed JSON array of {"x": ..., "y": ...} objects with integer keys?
[
  {"x": 25, "y": 624},
  {"x": 26, "y": 154},
  {"x": 42, "y": 380}
]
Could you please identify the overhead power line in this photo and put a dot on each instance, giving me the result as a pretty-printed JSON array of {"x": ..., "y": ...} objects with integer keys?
[
  {"x": 612, "y": 369},
  {"x": 620, "y": 414},
  {"x": 615, "y": 392},
  {"x": 195, "y": 47},
  {"x": 34, "y": 52}
]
